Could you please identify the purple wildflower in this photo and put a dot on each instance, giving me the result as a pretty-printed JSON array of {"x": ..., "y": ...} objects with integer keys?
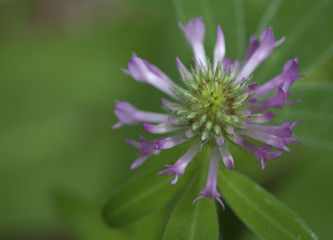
[{"x": 218, "y": 106}]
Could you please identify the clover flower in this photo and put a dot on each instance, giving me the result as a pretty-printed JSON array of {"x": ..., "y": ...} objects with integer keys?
[{"x": 217, "y": 105}]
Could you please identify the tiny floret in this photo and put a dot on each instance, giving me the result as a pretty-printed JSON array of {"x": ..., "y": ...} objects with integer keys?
[{"x": 216, "y": 104}]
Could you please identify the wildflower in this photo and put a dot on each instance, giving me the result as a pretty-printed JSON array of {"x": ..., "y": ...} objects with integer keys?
[{"x": 217, "y": 106}]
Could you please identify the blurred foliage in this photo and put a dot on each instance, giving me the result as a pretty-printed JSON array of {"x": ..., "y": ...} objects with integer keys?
[{"x": 60, "y": 73}]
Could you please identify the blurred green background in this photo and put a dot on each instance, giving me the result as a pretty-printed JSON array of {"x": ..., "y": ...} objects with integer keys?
[{"x": 60, "y": 72}]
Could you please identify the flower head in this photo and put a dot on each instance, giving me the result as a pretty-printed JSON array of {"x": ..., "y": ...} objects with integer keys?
[{"x": 217, "y": 105}]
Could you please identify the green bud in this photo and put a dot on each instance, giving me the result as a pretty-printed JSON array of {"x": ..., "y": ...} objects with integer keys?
[
  {"x": 236, "y": 87},
  {"x": 210, "y": 100},
  {"x": 216, "y": 85},
  {"x": 182, "y": 111},
  {"x": 237, "y": 104},
  {"x": 203, "y": 118},
  {"x": 209, "y": 125},
  {"x": 191, "y": 115},
  {"x": 196, "y": 125},
  {"x": 210, "y": 75},
  {"x": 218, "y": 115},
  {"x": 204, "y": 135},
  {"x": 217, "y": 129},
  {"x": 234, "y": 119}
]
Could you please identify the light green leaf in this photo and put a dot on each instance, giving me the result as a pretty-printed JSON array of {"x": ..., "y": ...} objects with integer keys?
[
  {"x": 260, "y": 210},
  {"x": 139, "y": 198},
  {"x": 193, "y": 221}
]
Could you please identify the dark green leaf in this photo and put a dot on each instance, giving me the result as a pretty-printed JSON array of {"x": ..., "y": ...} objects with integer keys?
[
  {"x": 193, "y": 221},
  {"x": 139, "y": 198},
  {"x": 260, "y": 210}
]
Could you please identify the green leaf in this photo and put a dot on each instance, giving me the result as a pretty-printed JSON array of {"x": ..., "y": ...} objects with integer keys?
[
  {"x": 193, "y": 221},
  {"x": 260, "y": 210},
  {"x": 139, "y": 198}
]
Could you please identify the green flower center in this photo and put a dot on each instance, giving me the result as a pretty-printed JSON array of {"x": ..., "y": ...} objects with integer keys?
[{"x": 213, "y": 103}]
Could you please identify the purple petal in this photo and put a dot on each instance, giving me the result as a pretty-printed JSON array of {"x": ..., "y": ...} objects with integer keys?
[
  {"x": 168, "y": 104},
  {"x": 165, "y": 171},
  {"x": 137, "y": 69},
  {"x": 220, "y": 141},
  {"x": 227, "y": 63},
  {"x": 261, "y": 52},
  {"x": 132, "y": 143},
  {"x": 267, "y": 43},
  {"x": 220, "y": 202},
  {"x": 138, "y": 162},
  {"x": 252, "y": 87},
  {"x": 294, "y": 124},
  {"x": 127, "y": 114},
  {"x": 169, "y": 142},
  {"x": 261, "y": 152},
  {"x": 227, "y": 158},
  {"x": 183, "y": 70},
  {"x": 292, "y": 102},
  {"x": 142, "y": 71},
  {"x": 219, "y": 50},
  {"x": 158, "y": 72},
  {"x": 276, "y": 101},
  {"x": 253, "y": 101},
  {"x": 175, "y": 180},
  {"x": 253, "y": 46},
  {"x": 262, "y": 118},
  {"x": 270, "y": 139},
  {"x": 237, "y": 139},
  {"x": 275, "y": 154},
  {"x": 179, "y": 167},
  {"x": 198, "y": 198},
  {"x": 246, "y": 124},
  {"x": 289, "y": 140},
  {"x": 246, "y": 113},
  {"x": 148, "y": 147},
  {"x": 126, "y": 71},
  {"x": 210, "y": 188},
  {"x": 195, "y": 30},
  {"x": 160, "y": 128},
  {"x": 173, "y": 120},
  {"x": 280, "y": 41},
  {"x": 284, "y": 80},
  {"x": 188, "y": 134},
  {"x": 194, "y": 34},
  {"x": 117, "y": 125},
  {"x": 284, "y": 130}
]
